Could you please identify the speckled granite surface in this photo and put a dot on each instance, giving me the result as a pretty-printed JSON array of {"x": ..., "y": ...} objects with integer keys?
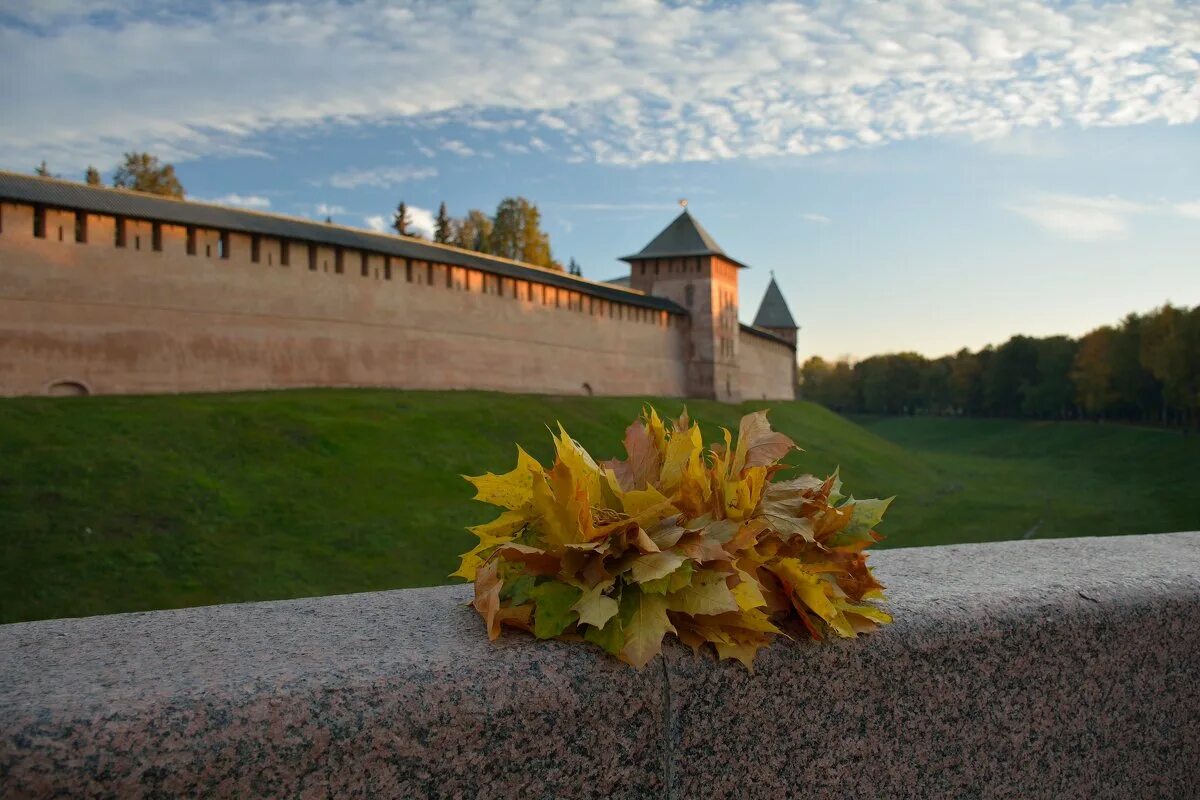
[{"x": 1054, "y": 669}]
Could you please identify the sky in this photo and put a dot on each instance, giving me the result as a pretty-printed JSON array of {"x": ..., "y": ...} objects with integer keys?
[{"x": 918, "y": 175}]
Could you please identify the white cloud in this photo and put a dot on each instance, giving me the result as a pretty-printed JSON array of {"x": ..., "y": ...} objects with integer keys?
[
  {"x": 327, "y": 210},
  {"x": 381, "y": 177},
  {"x": 240, "y": 200},
  {"x": 627, "y": 82},
  {"x": 820, "y": 219},
  {"x": 1092, "y": 219},
  {"x": 1189, "y": 210},
  {"x": 457, "y": 148},
  {"x": 1084, "y": 219},
  {"x": 420, "y": 221}
]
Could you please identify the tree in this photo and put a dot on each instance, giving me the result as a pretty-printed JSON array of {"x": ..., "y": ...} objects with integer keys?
[
  {"x": 443, "y": 230},
  {"x": 517, "y": 233},
  {"x": 42, "y": 171},
  {"x": 92, "y": 176},
  {"x": 328, "y": 220},
  {"x": 1011, "y": 372},
  {"x": 142, "y": 172},
  {"x": 474, "y": 232},
  {"x": 1092, "y": 372},
  {"x": 400, "y": 220},
  {"x": 1052, "y": 395},
  {"x": 574, "y": 268}
]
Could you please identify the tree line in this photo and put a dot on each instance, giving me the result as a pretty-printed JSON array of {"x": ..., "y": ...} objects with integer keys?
[
  {"x": 1145, "y": 369},
  {"x": 514, "y": 231}
]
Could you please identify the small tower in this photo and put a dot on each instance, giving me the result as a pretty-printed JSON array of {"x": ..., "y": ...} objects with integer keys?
[
  {"x": 685, "y": 264},
  {"x": 774, "y": 314}
]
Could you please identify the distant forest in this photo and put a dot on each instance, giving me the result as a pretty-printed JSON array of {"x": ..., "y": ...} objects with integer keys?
[{"x": 1145, "y": 369}]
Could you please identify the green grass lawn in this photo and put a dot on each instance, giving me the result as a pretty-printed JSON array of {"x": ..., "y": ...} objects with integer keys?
[{"x": 122, "y": 504}]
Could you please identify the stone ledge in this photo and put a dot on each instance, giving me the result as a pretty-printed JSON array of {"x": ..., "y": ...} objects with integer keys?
[{"x": 1062, "y": 668}]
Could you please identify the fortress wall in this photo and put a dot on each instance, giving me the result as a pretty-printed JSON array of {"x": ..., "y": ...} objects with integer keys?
[
  {"x": 766, "y": 368},
  {"x": 137, "y": 320}
]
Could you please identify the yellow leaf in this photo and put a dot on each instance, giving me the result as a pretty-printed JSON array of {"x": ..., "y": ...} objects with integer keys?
[
  {"x": 651, "y": 566},
  {"x": 645, "y": 627},
  {"x": 512, "y": 490},
  {"x": 506, "y": 525},
  {"x": 748, "y": 593},
  {"x": 583, "y": 468},
  {"x": 596, "y": 608},
  {"x": 473, "y": 560}
]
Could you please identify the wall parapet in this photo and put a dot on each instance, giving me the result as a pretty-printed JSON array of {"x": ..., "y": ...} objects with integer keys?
[{"x": 1062, "y": 668}]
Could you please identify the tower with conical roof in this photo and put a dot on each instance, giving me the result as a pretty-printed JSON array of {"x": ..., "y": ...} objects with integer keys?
[
  {"x": 685, "y": 264},
  {"x": 774, "y": 314}
]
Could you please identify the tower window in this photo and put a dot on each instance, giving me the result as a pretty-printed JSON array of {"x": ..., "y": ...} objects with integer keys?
[
  {"x": 191, "y": 240},
  {"x": 223, "y": 245},
  {"x": 39, "y": 222},
  {"x": 119, "y": 232},
  {"x": 365, "y": 267},
  {"x": 156, "y": 237},
  {"x": 285, "y": 253},
  {"x": 387, "y": 268},
  {"x": 81, "y": 227},
  {"x": 339, "y": 261},
  {"x": 255, "y": 248},
  {"x": 312, "y": 258}
]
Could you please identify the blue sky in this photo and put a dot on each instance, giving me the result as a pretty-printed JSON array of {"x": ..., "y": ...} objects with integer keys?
[{"x": 919, "y": 175}]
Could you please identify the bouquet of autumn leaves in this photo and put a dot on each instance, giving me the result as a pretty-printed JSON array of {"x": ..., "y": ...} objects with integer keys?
[{"x": 677, "y": 539}]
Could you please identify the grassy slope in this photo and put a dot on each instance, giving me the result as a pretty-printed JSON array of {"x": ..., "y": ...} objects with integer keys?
[{"x": 118, "y": 504}]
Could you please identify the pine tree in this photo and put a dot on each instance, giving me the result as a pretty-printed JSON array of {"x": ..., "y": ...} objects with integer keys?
[
  {"x": 41, "y": 170},
  {"x": 400, "y": 219},
  {"x": 328, "y": 220},
  {"x": 443, "y": 231},
  {"x": 574, "y": 268},
  {"x": 92, "y": 176}
]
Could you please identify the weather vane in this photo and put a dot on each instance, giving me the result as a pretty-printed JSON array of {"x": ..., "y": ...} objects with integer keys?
[{"x": 683, "y": 202}]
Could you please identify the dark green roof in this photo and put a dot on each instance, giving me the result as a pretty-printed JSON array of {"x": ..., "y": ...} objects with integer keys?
[
  {"x": 68, "y": 195},
  {"x": 683, "y": 237},
  {"x": 774, "y": 312}
]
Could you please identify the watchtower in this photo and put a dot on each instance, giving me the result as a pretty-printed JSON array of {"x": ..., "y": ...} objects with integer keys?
[{"x": 685, "y": 264}]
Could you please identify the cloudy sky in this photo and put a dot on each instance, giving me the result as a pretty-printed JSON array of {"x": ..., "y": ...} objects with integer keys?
[{"x": 919, "y": 175}]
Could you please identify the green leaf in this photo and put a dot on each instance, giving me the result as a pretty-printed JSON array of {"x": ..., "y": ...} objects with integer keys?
[
  {"x": 518, "y": 590},
  {"x": 552, "y": 611},
  {"x": 670, "y": 583},
  {"x": 865, "y": 515},
  {"x": 611, "y": 637}
]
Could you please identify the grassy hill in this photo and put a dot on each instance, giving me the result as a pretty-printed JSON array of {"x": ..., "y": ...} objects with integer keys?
[{"x": 121, "y": 504}]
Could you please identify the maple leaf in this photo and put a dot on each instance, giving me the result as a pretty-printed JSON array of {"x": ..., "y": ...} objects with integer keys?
[
  {"x": 594, "y": 607},
  {"x": 487, "y": 597},
  {"x": 512, "y": 490},
  {"x": 650, "y": 566},
  {"x": 645, "y": 623},
  {"x": 707, "y": 594},
  {"x": 553, "y": 608},
  {"x": 758, "y": 445}
]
